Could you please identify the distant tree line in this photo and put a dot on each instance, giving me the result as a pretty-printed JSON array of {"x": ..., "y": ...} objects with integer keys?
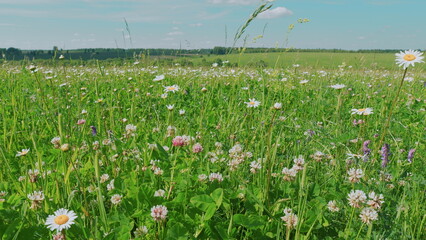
[{"x": 112, "y": 53}]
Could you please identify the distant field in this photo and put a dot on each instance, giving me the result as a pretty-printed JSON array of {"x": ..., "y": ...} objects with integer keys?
[{"x": 312, "y": 60}]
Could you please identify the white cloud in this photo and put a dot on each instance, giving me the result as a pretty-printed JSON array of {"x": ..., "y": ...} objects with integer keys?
[
  {"x": 175, "y": 33},
  {"x": 234, "y": 2},
  {"x": 195, "y": 24},
  {"x": 275, "y": 13}
]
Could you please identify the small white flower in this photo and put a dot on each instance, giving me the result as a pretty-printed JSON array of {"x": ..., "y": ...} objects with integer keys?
[
  {"x": 23, "y": 152},
  {"x": 332, "y": 206},
  {"x": 409, "y": 57},
  {"x": 62, "y": 219},
  {"x": 368, "y": 215},
  {"x": 159, "y": 193},
  {"x": 173, "y": 88},
  {"x": 338, "y": 86},
  {"x": 159, "y": 213},
  {"x": 362, "y": 111},
  {"x": 158, "y": 78},
  {"x": 252, "y": 103},
  {"x": 278, "y": 106},
  {"x": 116, "y": 199}
]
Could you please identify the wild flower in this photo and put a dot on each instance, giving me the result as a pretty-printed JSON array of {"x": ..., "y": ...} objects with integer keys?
[
  {"x": 411, "y": 155},
  {"x": 23, "y": 152},
  {"x": 289, "y": 174},
  {"x": 65, "y": 147},
  {"x": 130, "y": 130},
  {"x": 338, "y": 86},
  {"x": 255, "y": 166},
  {"x": 36, "y": 198},
  {"x": 332, "y": 206},
  {"x": 158, "y": 78},
  {"x": 197, "y": 148},
  {"x": 116, "y": 199},
  {"x": 355, "y": 175},
  {"x": 409, "y": 57},
  {"x": 140, "y": 231},
  {"x": 366, "y": 150},
  {"x": 278, "y": 106},
  {"x": 159, "y": 213},
  {"x": 368, "y": 215},
  {"x": 385, "y": 152},
  {"x": 173, "y": 88},
  {"x": 290, "y": 218},
  {"x": 375, "y": 200},
  {"x": 60, "y": 220},
  {"x": 215, "y": 177},
  {"x": 202, "y": 177},
  {"x": 178, "y": 141},
  {"x": 252, "y": 103},
  {"x": 110, "y": 185},
  {"x": 56, "y": 141},
  {"x": 299, "y": 163},
  {"x": 362, "y": 111},
  {"x": 33, "y": 174},
  {"x": 104, "y": 178},
  {"x": 356, "y": 198},
  {"x": 158, "y": 171},
  {"x": 159, "y": 193}
]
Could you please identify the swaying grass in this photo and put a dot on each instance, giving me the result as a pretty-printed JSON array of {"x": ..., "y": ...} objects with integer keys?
[{"x": 222, "y": 170}]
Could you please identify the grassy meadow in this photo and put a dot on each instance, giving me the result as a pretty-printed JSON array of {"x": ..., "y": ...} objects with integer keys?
[
  {"x": 141, "y": 151},
  {"x": 311, "y": 60}
]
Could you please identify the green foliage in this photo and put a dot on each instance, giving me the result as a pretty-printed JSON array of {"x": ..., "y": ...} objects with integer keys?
[{"x": 235, "y": 187}]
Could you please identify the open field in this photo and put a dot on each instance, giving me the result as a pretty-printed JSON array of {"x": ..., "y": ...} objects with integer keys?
[
  {"x": 152, "y": 152},
  {"x": 312, "y": 60}
]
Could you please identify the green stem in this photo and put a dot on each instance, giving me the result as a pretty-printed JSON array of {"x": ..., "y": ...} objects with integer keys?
[
  {"x": 385, "y": 128},
  {"x": 359, "y": 231},
  {"x": 370, "y": 228},
  {"x": 287, "y": 233},
  {"x": 347, "y": 229},
  {"x": 268, "y": 159}
]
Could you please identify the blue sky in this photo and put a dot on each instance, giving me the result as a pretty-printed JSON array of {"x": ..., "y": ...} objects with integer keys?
[{"x": 345, "y": 24}]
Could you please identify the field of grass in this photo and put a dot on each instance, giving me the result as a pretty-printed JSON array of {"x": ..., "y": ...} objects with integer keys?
[
  {"x": 312, "y": 60},
  {"x": 151, "y": 152}
]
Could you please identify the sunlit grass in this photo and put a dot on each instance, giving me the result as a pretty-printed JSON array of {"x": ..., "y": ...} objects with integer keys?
[{"x": 218, "y": 163}]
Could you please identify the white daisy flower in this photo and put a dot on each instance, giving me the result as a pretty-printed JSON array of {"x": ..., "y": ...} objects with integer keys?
[
  {"x": 158, "y": 78},
  {"x": 408, "y": 58},
  {"x": 362, "y": 111},
  {"x": 338, "y": 86},
  {"x": 61, "y": 219},
  {"x": 278, "y": 106},
  {"x": 173, "y": 88},
  {"x": 252, "y": 103},
  {"x": 23, "y": 152}
]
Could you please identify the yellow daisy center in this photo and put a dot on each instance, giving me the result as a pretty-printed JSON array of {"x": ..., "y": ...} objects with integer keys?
[
  {"x": 362, "y": 109},
  {"x": 409, "y": 57},
  {"x": 61, "y": 219},
  {"x": 252, "y": 103},
  {"x": 172, "y": 88}
]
